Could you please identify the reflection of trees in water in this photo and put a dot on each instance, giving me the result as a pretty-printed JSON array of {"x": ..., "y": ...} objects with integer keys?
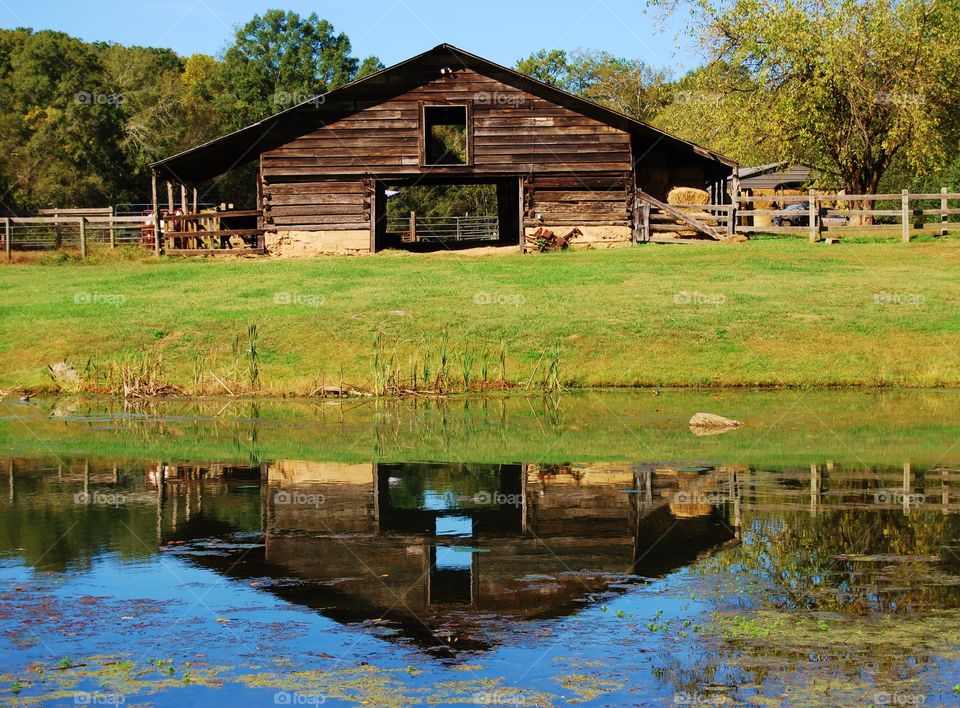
[
  {"x": 848, "y": 560},
  {"x": 868, "y": 540},
  {"x": 869, "y": 595},
  {"x": 459, "y": 483},
  {"x": 49, "y": 528}
]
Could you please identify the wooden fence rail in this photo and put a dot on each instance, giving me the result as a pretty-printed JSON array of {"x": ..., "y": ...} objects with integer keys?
[
  {"x": 845, "y": 213},
  {"x": 182, "y": 233},
  {"x": 809, "y": 214},
  {"x": 35, "y": 233}
]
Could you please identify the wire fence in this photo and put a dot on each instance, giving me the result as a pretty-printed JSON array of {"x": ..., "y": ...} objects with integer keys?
[{"x": 55, "y": 232}]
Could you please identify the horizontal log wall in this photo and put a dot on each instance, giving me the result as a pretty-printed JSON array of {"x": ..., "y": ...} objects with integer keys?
[
  {"x": 322, "y": 205},
  {"x": 513, "y": 132},
  {"x": 600, "y": 200}
]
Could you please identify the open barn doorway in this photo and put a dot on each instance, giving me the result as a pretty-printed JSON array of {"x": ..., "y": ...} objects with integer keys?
[{"x": 432, "y": 214}]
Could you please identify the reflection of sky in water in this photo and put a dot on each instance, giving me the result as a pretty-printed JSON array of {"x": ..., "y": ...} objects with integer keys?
[
  {"x": 454, "y": 526},
  {"x": 438, "y": 501},
  {"x": 453, "y": 558}
]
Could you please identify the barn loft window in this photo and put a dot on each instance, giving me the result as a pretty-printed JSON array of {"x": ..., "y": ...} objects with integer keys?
[{"x": 446, "y": 135}]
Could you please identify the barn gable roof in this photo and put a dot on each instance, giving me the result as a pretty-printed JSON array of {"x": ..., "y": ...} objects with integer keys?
[{"x": 213, "y": 158}]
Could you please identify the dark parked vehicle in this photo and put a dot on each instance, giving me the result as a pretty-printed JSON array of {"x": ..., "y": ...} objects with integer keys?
[{"x": 800, "y": 216}]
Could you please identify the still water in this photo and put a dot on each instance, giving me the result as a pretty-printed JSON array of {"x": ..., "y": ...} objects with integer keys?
[{"x": 516, "y": 551}]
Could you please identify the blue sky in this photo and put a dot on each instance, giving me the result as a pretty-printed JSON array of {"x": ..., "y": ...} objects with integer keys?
[{"x": 500, "y": 30}]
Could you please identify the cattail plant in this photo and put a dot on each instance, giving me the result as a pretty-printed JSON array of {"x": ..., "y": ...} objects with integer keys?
[{"x": 253, "y": 359}]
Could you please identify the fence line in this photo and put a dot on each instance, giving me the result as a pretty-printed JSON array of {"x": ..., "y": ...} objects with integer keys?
[
  {"x": 835, "y": 213},
  {"x": 831, "y": 212},
  {"x": 64, "y": 230},
  {"x": 35, "y": 233}
]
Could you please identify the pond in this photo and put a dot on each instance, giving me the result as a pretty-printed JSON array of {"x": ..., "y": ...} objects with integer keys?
[{"x": 587, "y": 548}]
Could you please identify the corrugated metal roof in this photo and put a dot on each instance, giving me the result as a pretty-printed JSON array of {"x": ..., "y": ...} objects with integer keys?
[{"x": 774, "y": 175}]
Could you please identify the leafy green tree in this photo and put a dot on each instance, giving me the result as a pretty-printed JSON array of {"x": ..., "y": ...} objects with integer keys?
[
  {"x": 847, "y": 85},
  {"x": 626, "y": 85},
  {"x": 148, "y": 82},
  {"x": 546, "y": 65},
  {"x": 370, "y": 65},
  {"x": 280, "y": 59},
  {"x": 80, "y": 122},
  {"x": 706, "y": 106},
  {"x": 60, "y": 123}
]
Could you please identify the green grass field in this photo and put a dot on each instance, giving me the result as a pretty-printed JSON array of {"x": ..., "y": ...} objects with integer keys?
[{"x": 773, "y": 312}]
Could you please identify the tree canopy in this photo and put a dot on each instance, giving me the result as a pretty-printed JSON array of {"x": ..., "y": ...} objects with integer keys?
[
  {"x": 865, "y": 90},
  {"x": 626, "y": 85},
  {"x": 851, "y": 86},
  {"x": 80, "y": 122}
]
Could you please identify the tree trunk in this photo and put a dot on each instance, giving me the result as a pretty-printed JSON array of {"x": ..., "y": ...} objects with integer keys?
[{"x": 866, "y": 182}]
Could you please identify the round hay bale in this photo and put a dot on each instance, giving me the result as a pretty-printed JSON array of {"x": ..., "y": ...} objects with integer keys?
[
  {"x": 690, "y": 510},
  {"x": 688, "y": 195},
  {"x": 763, "y": 203}
]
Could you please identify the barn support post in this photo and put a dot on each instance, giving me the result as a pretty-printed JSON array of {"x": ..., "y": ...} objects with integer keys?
[
  {"x": 82, "y": 223},
  {"x": 734, "y": 200},
  {"x": 195, "y": 201},
  {"x": 945, "y": 490},
  {"x": 944, "y": 216},
  {"x": 374, "y": 204},
  {"x": 261, "y": 236},
  {"x": 521, "y": 212},
  {"x": 6, "y": 238},
  {"x": 814, "y": 488},
  {"x": 813, "y": 221},
  {"x": 156, "y": 215},
  {"x": 907, "y": 487},
  {"x": 905, "y": 215},
  {"x": 183, "y": 198}
]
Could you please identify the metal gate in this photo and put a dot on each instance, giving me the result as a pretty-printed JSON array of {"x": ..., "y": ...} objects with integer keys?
[{"x": 436, "y": 229}]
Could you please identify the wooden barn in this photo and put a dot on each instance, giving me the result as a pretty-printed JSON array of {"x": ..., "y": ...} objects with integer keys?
[{"x": 330, "y": 166}]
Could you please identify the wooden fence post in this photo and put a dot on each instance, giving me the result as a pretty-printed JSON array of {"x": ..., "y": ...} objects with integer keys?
[
  {"x": 6, "y": 237},
  {"x": 113, "y": 234},
  {"x": 413, "y": 227},
  {"x": 645, "y": 207},
  {"x": 734, "y": 200},
  {"x": 944, "y": 217},
  {"x": 156, "y": 215},
  {"x": 905, "y": 215},
  {"x": 83, "y": 237},
  {"x": 814, "y": 222}
]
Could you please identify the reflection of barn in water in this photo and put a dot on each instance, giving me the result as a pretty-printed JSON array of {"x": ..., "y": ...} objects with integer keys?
[
  {"x": 431, "y": 547},
  {"x": 445, "y": 550}
]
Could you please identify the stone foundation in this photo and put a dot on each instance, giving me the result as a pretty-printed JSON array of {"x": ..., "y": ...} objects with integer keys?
[
  {"x": 300, "y": 244},
  {"x": 593, "y": 236}
]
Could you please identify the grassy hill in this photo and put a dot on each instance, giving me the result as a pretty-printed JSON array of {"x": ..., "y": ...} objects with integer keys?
[{"x": 766, "y": 313}]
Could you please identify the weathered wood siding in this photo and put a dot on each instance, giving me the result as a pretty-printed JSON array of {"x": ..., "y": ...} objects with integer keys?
[
  {"x": 319, "y": 205},
  {"x": 595, "y": 200},
  {"x": 512, "y": 131}
]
